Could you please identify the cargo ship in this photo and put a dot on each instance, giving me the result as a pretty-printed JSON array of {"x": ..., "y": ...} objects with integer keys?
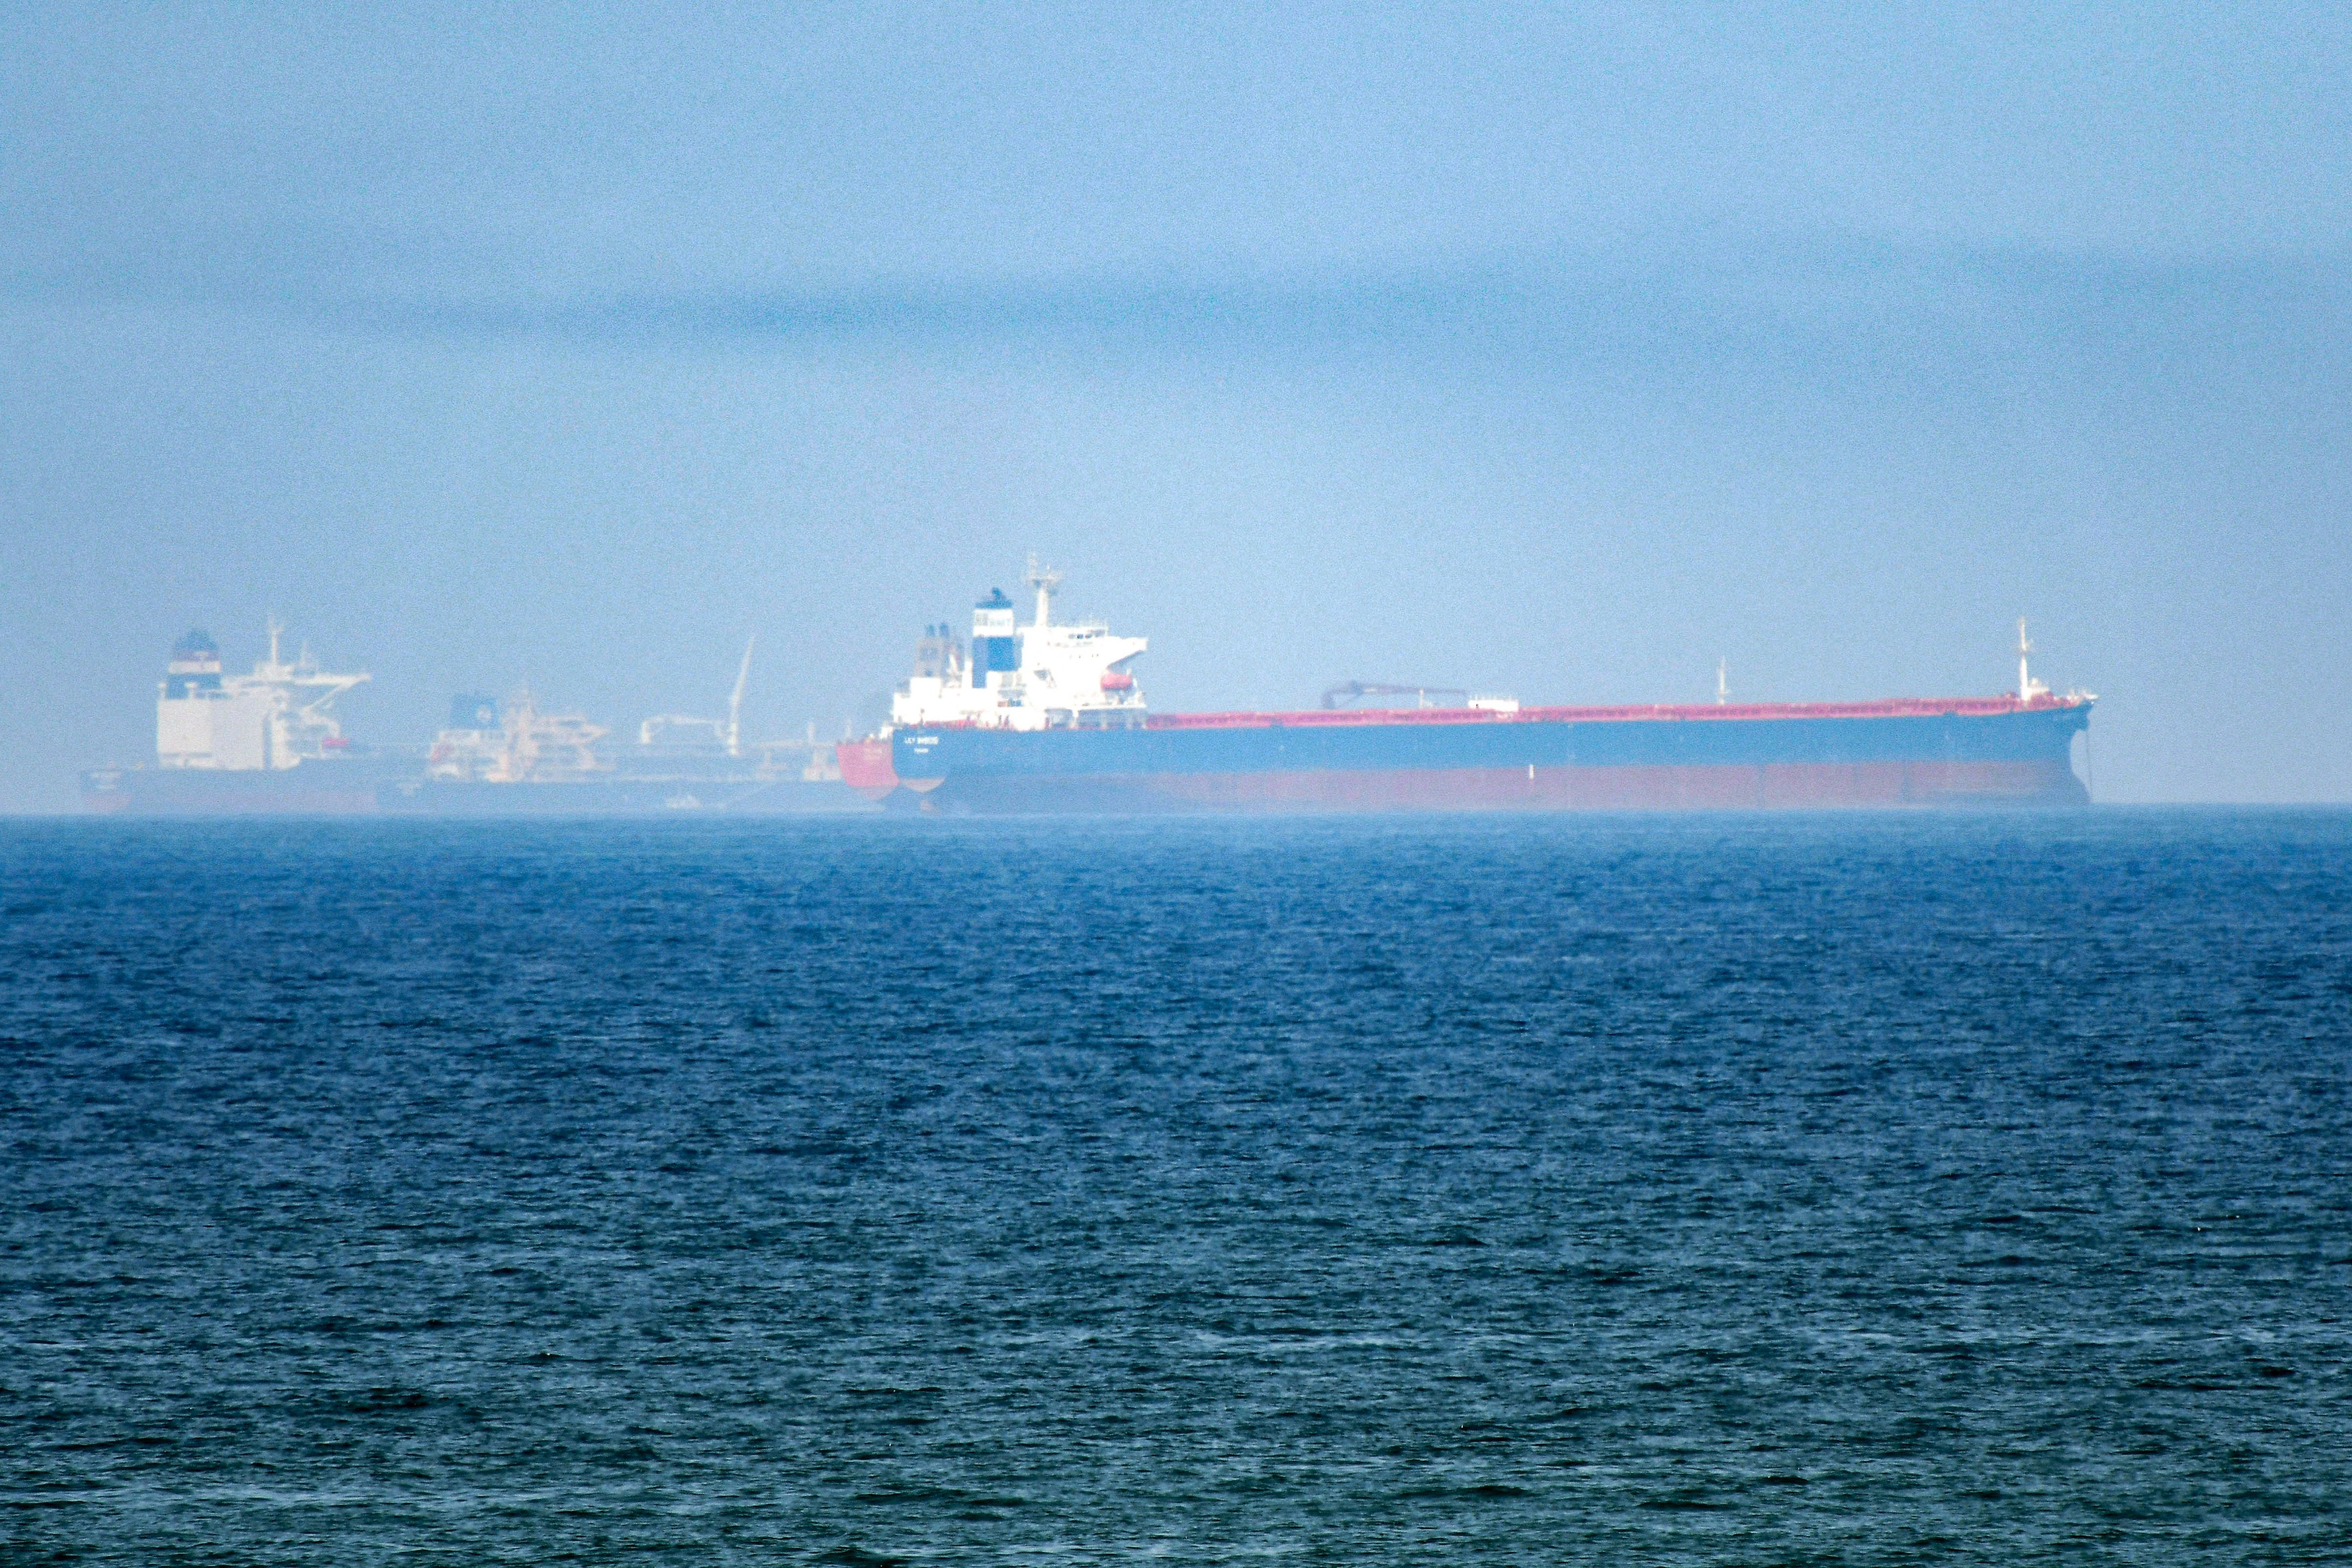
[
  {"x": 270, "y": 743},
  {"x": 265, "y": 743},
  {"x": 1049, "y": 717}
]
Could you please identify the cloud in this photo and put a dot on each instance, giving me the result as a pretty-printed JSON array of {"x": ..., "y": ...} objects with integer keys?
[{"x": 1871, "y": 319}]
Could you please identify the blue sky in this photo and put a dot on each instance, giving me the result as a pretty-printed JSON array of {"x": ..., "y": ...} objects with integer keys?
[{"x": 1563, "y": 349}]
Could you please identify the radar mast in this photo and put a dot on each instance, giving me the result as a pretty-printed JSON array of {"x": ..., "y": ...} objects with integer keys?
[
  {"x": 1045, "y": 579},
  {"x": 2028, "y": 689}
]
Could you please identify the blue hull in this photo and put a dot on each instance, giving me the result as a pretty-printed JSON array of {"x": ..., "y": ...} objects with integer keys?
[{"x": 1888, "y": 755}]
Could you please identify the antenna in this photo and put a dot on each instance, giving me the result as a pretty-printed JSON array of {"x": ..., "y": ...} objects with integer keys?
[
  {"x": 277, "y": 629},
  {"x": 735, "y": 702},
  {"x": 1045, "y": 579},
  {"x": 1722, "y": 681}
]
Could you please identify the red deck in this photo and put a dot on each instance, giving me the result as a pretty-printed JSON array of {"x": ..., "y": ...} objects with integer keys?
[{"x": 1890, "y": 708}]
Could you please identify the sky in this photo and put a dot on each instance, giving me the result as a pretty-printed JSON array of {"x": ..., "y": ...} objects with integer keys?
[{"x": 1561, "y": 351}]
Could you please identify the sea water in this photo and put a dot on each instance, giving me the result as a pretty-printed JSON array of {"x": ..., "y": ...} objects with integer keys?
[{"x": 1864, "y": 1189}]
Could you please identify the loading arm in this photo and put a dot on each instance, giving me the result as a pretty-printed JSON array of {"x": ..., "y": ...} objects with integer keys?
[{"x": 1350, "y": 689}]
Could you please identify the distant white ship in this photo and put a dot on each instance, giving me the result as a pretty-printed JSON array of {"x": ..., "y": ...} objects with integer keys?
[
  {"x": 269, "y": 742},
  {"x": 265, "y": 743}
]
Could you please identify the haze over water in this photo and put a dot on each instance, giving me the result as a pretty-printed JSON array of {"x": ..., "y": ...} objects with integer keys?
[
  {"x": 1557, "y": 351},
  {"x": 1858, "y": 1190}
]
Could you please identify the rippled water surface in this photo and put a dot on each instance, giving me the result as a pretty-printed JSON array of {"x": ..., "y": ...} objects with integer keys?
[{"x": 1781, "y": 1190}]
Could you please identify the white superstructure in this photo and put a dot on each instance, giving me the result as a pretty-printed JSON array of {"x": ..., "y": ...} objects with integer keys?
[
  {"x": 274, "y": 719},
  {"x": 1037, "y": 676},
  {"x": 514, "y": 743}
]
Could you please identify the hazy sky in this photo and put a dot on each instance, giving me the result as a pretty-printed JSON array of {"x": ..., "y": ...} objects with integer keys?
[{"x": 1558, "y": 349}]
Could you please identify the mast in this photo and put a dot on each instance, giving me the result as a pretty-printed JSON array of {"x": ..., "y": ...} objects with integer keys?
[
  {"x": 2028, "y": 689},
  {"x": 1722, "y": 681},
  {"x": 1045, "y": 579},
  {"x": 735, "y": 701}
]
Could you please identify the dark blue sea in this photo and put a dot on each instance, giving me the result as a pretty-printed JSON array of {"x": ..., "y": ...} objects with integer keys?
[{"x": 1772, "y": 1190}]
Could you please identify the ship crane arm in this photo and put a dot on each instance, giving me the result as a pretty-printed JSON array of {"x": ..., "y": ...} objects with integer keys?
[{"x": 329, "y": 688}]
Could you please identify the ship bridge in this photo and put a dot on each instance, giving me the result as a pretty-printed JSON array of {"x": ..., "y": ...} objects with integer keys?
[
  {"x": 1042, "y": 676},
  {"x": 270, "y": 721}
]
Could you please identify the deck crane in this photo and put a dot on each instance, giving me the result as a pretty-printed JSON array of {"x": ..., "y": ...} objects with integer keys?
[{"x": 725, "y": 734}]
